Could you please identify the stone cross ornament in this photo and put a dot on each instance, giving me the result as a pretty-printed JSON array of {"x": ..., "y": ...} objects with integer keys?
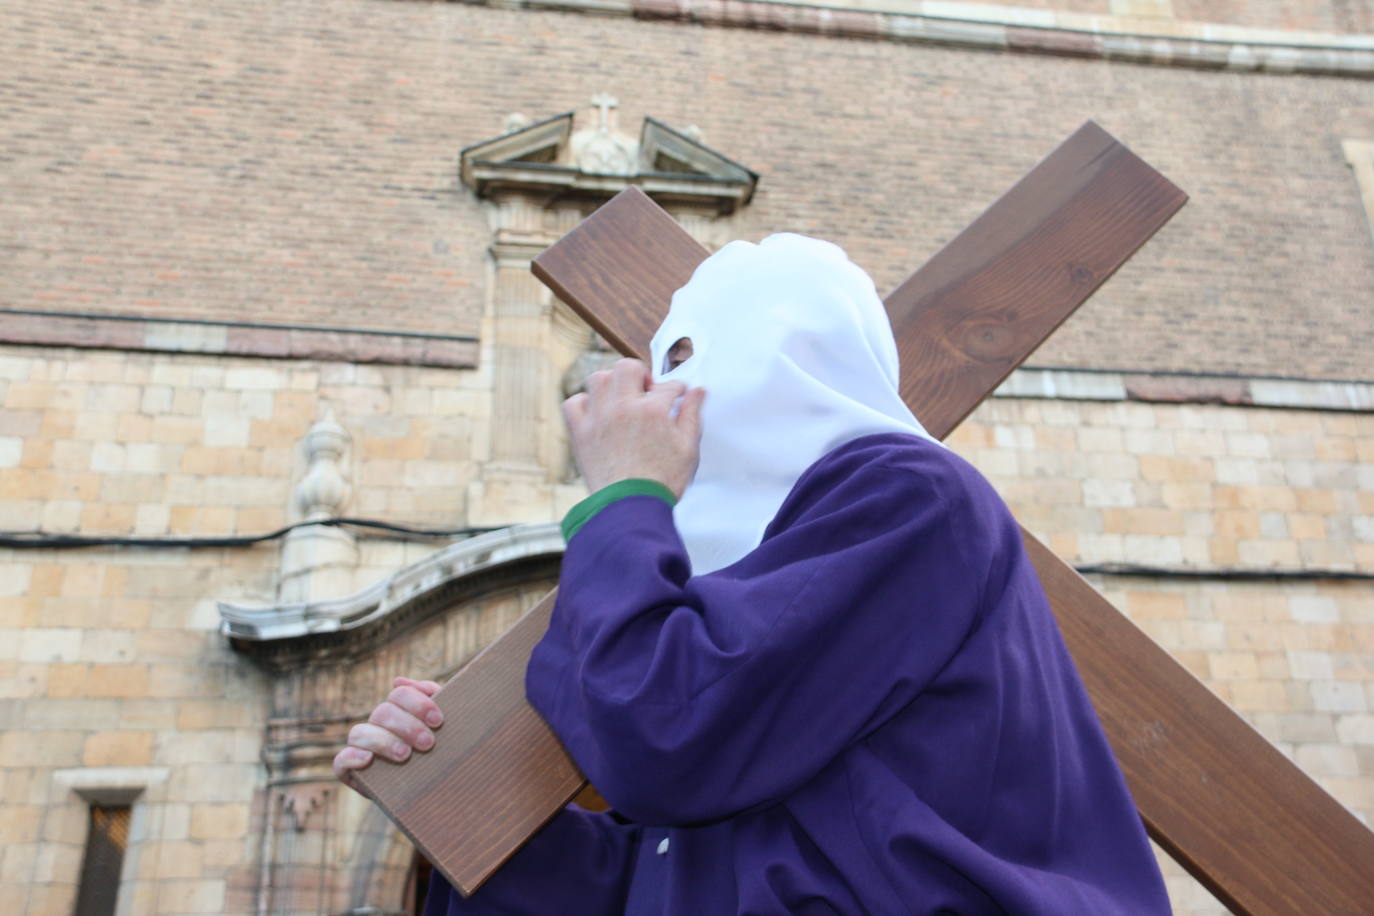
[{"x": 1216, "y": 795}]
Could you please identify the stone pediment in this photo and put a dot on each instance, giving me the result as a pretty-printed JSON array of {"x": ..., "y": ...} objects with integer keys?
[{"x": 548, "y": 156}]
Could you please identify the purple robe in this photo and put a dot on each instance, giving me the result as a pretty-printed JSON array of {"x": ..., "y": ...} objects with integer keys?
[{"x": 871, "y": 713}]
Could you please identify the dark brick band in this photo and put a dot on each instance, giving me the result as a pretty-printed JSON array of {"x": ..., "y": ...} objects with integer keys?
[{"x": 117, "y": 332}]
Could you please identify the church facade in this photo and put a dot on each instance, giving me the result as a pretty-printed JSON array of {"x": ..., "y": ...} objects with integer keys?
[{"x": 268, "y": 264}]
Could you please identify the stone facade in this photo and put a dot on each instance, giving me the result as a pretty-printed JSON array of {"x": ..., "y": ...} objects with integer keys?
[{"x": 293, "y": 165}]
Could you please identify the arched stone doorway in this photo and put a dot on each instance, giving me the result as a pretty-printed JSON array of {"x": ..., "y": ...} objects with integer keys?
[{"x": 323, "y": 848}]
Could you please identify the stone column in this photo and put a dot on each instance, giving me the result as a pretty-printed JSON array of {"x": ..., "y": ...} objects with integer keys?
[{"x": 533, "y": 339}]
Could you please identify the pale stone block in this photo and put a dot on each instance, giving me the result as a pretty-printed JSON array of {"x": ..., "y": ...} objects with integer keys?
[
  {"x": 1313, "y": 609},
  {"x": 50, "y": 900},
  {"x": 62, "y": 515},
  {"x": 1101, "y": 548},
  {"x": 256, "y": 404},
  {"x": 78, "y": 713},
  {"x": 1018, "y": 437},
  {"x": 305, "y": 380},
  {"x": 174, "y": 821},
  {"x": 21, "y": 514},
  {"x": 44, "y": 748},
  {"x": 156, "y": 399},
  {"x": 1310, "y": 666},
  {"x": 172, "y": 859},
  {"x": 214, "y": 783},
  {"x": 1273, "y": 525},
  {"x": 15, "y": 579},
  {"x": 226, "y": 431},
  {"x": 1327, "y": 760},
  {"x": 1269, "y": 553},
  {"x": 114, "y": 399},
  {"x": 107, "y": 457},
  {"x": 1150, "y": 441},
  {"x": 1152, "y": 550},
  {"x": 50, "y": 645},
  {"x": 175, "y": 896},
  {"x": 1109, "y": 466},
  {"x": 1311, "y": 726},
  {"x": 103, "y": 645},
  {"x": 11, "y": 450},
  {"x": 118, "y": 749},
  {"x": 452, "y": 402},
  {"x": 152, "y": 519},
  {"x": 1247, "y": 445},
  {"x": 217, "y": 822},
  {"x": 1236, "y": 471},
  {"x": 1108, "y": 493},
  {"x": 16, "y": 863},
  {"x": 1356, "y": 730},
  {"x": 1209, "y": 635},
  {"x": 57, "y": 863},
  {"x": 996, "y": 463},
  {"x": 254, "y": 377},
  {"x": 143, "y": 458},
  {"x": 15, "y": 368},
  {"x": 1100, "y": 439},
  {"x": 1338, "y": 696},
  {"x": 1233, "y": 666},
  {"x": 205, "y": 746}
]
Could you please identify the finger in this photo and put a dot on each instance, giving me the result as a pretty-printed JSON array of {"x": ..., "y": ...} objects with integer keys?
[
  {"x": 349, "y": 759},
  {"x": 418, "y": 704},
  {"x": 575, "y": 411},
  {"x": 429, "y": 687},
  {"x": 402, "y": 725},
  {"x": 671, "y": 390},
  {"x": 379, "y": 741},
  {"x": 629, "y": 377},
  {"x": 689, "y": 414},
  {"x": 597, "y": 383}
]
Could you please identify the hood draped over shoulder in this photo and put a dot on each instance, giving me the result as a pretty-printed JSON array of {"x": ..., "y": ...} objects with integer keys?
[{"x": 796, "y": 352}]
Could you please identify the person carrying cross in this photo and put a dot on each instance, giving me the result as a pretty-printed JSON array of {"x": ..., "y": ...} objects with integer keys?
[{"x": 798, "y": 645}]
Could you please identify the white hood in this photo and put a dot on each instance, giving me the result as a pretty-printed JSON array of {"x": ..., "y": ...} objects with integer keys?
[{"x": 796, "y": 354}]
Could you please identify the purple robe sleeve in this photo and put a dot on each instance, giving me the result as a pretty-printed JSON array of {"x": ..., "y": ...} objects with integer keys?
[
  {"x": 581, "y": 858},
  {"x": 686, "y": 700}
]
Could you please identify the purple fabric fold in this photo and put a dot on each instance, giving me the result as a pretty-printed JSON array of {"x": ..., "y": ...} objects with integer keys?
[{"x": 872, "y": 712}]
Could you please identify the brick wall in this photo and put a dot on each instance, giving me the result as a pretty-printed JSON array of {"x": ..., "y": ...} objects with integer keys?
[
  {"x": 109, "y": 660},
  {"x": 294, "y": 162}
]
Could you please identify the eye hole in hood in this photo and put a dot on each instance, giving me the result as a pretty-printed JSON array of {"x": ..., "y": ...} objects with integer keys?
[{"x": 677, "y": 354}]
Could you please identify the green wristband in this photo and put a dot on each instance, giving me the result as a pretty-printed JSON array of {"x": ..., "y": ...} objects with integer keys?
[{"x": 584, "y": 511}]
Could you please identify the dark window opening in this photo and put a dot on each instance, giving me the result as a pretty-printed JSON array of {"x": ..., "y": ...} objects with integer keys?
[
  {"x": 417, "y": 885},
  {"x": 106, "y": 841}
]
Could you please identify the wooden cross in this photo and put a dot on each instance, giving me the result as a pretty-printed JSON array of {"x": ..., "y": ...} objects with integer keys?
[{"x": 1247, "y": 823}]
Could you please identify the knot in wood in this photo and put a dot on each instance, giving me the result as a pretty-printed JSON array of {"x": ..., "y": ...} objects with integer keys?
[{"x": 988, "y": 339}]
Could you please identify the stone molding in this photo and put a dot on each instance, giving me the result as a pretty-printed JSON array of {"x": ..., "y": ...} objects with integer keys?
[
  {"x": 227, "y": 338},
  {"x": 1183, "y": 388},
  {"x": 1162, "y": 42},
  {"x": 407, "y": 587}
]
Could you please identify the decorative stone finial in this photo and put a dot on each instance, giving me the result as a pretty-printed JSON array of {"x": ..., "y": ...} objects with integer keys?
[
  {"x": 517, "y": 121},
  {"x": 324, "y": 489}
]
